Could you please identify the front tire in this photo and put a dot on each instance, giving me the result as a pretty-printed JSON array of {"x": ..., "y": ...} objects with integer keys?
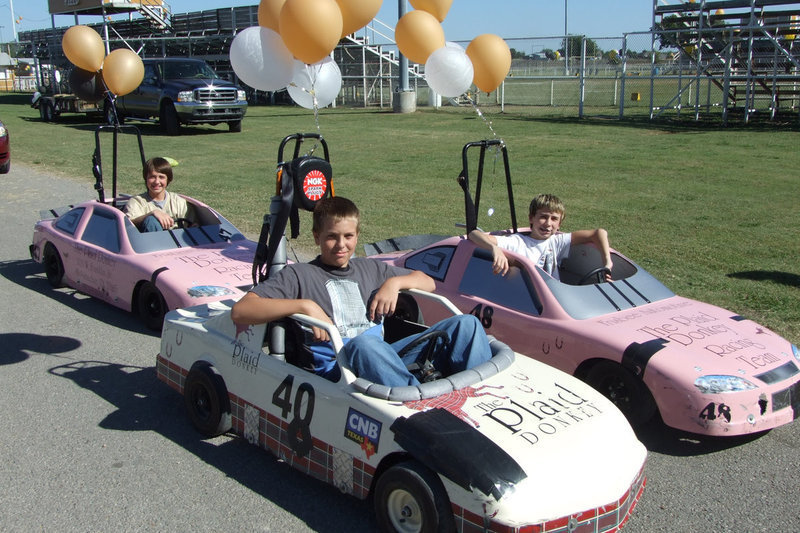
[
  {"x": 235, "y": 126},
  {"x": 410, "y": 498},
  {"x": 151, "y": 306},
  {"x": 626, "y": 391},
  {"x": 53, "y": 266},
  {"x": 169, "y": 119},
  {"x": 5, "y": 167},
  {"x": 206, "y": 400}
]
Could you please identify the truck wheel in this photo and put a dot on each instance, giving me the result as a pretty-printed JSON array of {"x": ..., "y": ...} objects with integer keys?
[
  {"x": 235, "y": 126},
  {"x": 409, "y": 497},
  {"x": 151, "y": 306},
  {"x": 108, "y": 115},
  {"x": 46, "y": 111},
  {"x": 169, "y": 119},
  {"x": 53, "y": 266},
  {"x": 206, "y": 400}
]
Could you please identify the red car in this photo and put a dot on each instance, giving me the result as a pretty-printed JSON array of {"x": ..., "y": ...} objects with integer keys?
[{"x": 5, "y": 153}]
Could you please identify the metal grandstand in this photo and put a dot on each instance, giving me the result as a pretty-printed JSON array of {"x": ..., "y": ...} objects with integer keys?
[{"x": 747, "y": 51}]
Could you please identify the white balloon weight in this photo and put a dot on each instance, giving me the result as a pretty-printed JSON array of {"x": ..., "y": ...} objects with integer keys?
[
  {"x": 318, "y": 84},
  {"x": 261, "y": 60},
  {"x": 448, "y": 70}
]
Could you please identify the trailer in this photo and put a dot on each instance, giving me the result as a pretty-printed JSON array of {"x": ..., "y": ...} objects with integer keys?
[{"x": 52, "y": 106}]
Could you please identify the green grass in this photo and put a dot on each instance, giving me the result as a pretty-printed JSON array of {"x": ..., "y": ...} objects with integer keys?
[{"x": 712, "y": 212}]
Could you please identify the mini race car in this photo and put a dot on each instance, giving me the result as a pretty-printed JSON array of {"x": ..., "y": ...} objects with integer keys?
[
  {"x": 704, "y": 369},
  {"x": 510, "y": 445},
  {"x": 93, "y": 247}
]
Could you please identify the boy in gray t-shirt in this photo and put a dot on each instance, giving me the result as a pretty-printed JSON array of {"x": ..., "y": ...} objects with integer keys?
[{"x": 354, "y": 294}]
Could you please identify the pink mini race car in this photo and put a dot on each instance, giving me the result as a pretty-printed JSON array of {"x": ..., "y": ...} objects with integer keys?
[
  {"x": 93, "y": 247},
  {"x": 702, "y": 368}
]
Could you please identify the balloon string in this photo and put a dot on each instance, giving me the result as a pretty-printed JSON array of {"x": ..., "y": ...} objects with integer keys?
[
  {"x": 497, "y": 148},
  {"x": 315, "y": 104},
  {"x": 480, "y": 114}
]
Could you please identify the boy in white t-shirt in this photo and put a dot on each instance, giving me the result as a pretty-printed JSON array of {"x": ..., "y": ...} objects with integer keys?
[{"x": 545, "y": 246}]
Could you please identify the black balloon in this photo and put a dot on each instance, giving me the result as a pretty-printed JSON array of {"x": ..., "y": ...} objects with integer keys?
[{"x": 86, "y": 85}]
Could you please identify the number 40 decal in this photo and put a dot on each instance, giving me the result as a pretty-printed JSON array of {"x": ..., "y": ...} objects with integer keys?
[
  {"x": 712, "y": 411},
  {"x": 299, "y": 429},
  {"x": 484, "y": 313}
]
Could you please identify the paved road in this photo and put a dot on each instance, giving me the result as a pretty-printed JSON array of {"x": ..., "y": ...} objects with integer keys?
[{"x": 93, "y": 442}]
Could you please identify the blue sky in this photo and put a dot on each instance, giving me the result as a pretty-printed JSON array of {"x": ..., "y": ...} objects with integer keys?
[{"x": 465, "y": 20}]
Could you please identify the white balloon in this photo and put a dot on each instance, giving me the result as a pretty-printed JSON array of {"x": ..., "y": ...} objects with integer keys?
[
  {"x": 261, "y": 60},
  {"x": 449, "y": 71},
  {"x": 321, "y": 81}
]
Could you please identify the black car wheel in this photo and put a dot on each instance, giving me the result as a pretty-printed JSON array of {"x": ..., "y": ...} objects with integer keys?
[
  {"x": 411, "y": 498},
  {"x": 46, "y": 111},
  {"x": 5, "y": 167},
  {"x": 235, "y": 126},
  {"x": 206, "y": 400},
  {"x": 626, "y": 391},
  {"x": 151, "y": 306},
  {"x": 53, "y": 266}
]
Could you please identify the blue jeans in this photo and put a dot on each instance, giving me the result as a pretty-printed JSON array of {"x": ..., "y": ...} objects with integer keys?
[
  {"x": 151, "y": 223},
  {"x": 374, "y": 359}
]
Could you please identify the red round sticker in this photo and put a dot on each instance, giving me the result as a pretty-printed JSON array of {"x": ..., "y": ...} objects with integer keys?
[{"x": 314, "y": 185}]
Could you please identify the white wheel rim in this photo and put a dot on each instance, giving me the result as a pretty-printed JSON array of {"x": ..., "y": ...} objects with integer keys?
[{"x": 404, "y": 511}]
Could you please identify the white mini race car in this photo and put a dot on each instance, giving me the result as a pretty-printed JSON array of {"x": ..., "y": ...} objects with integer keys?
[{"x": 510, "y": 445}]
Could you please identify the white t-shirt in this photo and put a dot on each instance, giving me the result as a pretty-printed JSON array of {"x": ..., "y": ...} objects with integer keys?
[{"x": 547, "y": 254}]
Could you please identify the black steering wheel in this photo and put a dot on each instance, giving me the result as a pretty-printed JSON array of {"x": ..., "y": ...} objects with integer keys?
[
  {"x": 596, "y": 272},
  {"x": 422, "y": 367},
  {"x": 183, "y": 222}
]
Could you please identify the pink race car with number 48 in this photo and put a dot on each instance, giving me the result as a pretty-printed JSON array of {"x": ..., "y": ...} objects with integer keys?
[
  {"x": 704, "y": 369},
  {"x": 93, "y": 247}
]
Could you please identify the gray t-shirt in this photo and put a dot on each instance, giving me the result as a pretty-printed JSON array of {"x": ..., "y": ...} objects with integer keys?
[{"x": 343, "y": 293}]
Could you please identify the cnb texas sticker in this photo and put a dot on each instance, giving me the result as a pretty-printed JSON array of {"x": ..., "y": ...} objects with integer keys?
[{"x": 363, "y": 430}]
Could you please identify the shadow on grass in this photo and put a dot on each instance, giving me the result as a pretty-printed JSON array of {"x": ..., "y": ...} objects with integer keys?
[
  {"x": 659, "y": 438},
  {"x": 145, "y": 404},
  {"x": 29, "y": 274},
  {"x": 783, "y": 278}
]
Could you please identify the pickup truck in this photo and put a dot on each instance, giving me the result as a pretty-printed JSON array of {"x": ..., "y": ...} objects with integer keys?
[{"x": 177, "y": 91}]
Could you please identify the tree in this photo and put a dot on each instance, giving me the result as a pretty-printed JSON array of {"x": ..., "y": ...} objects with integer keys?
[
  {"x": 573, "y": 44},
  {"x": 549, "y": 54},
  {"x": 518, "y": 54}
]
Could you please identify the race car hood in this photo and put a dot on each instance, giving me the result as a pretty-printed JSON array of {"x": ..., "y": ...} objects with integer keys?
[
  {"x": 203, "y": 273},
  {"x": 691, "y": 336},
  {"x": 548, "y": 444}
]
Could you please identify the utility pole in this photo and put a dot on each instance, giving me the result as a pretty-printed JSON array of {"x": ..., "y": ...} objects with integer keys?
[
  {"x": 566, "y": 42},
  {"x": 13, "y": 19}
]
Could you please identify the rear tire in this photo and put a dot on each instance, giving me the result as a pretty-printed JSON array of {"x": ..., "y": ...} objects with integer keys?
[
  {"x": 409, "y": 497},
  {"x": 53, "y": 266},
  {"x": 151, "y": 306},
  {"x": 169, "y": 119},
  {"x": 108, "y": 115},
  {"x": 206, "y": 400}
]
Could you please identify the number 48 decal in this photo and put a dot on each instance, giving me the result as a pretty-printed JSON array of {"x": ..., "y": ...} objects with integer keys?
[
  {"x": 722, "y": 410},
  {"x": 484, "y": 313},
  {"x": 299, "y": 429}
]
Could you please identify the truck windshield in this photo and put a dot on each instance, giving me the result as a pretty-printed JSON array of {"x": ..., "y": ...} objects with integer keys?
[{"x": 188, "y": 69}]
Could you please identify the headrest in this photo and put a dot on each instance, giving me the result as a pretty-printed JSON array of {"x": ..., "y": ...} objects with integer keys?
[{"x": 313, "y": 180}]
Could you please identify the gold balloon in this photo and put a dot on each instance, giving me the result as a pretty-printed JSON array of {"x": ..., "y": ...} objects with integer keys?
[
  {"x": 437, "y": 8},
  {"x": 269, "y": 12},
  {"x": 491, "y": 61},
  {"x": 84, "y": 48},
  {"x": 310, "y": 29},
  {"x": 357, "y": 13},
  {"x": 123, "y": 71},
  {"x": 418, "y": 34}
]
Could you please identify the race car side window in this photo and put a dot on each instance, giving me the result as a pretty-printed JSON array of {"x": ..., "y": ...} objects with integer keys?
[
  {"x": 101, "y": 230},
  {"x": 514, "y": 290},
  {"x": 433, "y": 261},
  {"x": 69, "y": 220}
]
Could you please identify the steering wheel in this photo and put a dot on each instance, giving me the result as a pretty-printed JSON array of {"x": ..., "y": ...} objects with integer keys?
[
  {"x": 422, "y": 367},
  {"x": 183, "y": 222},
  {"x": 596, "y": 272}
]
